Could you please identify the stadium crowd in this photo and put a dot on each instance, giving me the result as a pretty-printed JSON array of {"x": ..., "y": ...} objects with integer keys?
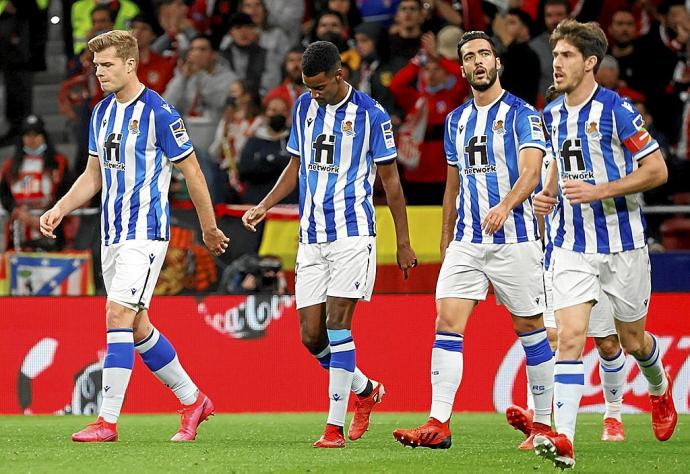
[{"x": 232, "y": 70}]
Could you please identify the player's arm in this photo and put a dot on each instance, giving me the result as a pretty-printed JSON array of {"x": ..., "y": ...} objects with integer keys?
[
  {"x": 545, "y": 200},
  {"x": 396, "y": 203},
  {"x": 213, "y": 237},
  {"x": 84, "y": 188},
  {"x": 284, "y": 186},
  {"x": 652, "y": 172},
  {"x": 450, "y": 211},
  {"x": 529, "y": 163}
]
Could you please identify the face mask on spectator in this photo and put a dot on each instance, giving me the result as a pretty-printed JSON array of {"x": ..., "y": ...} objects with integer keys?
[
  {"x": 38, "y": 151},
  {"x": 277, "y": 122}
]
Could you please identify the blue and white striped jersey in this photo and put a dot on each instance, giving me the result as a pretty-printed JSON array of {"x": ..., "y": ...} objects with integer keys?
[
  {"x": 484, "y": 143},
  {"x": 339, "y": 146},
  {"x": 548, "y": 242},
  {"x": 599, "y": 141},
  {"x": 136, "y": 143}
]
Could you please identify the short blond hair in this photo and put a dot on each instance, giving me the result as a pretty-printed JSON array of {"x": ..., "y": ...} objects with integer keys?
[{"x": 125, "y": 44}]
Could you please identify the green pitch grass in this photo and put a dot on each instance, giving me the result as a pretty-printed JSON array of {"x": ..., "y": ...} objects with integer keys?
[{"x": 282, "y": 443}]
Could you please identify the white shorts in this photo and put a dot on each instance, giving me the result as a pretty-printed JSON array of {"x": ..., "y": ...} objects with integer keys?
[
  {"x": 601, "y": 322},
  {"x": 514, "y": 270},
  {"x": 343, "y": 268},
  {"x": 623, "y": 276},
  {"x": 131, "y": 269}
]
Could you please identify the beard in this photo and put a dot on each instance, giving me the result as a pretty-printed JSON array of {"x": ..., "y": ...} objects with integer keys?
[{"x": 491, "y": 74}]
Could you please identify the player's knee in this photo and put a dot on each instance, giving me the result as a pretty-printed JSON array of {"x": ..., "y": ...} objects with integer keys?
[
  {"x": 117, "y": 316},
  {"x": 314, "y": 343},
  {"x": 141, "y": 331},
  {"x": 633, "y": 344},
  {"x": 607, "y": 347},
  {"x": 448, "y": 322}
]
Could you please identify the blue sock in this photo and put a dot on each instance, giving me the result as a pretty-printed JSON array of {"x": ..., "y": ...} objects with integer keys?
[
  {"x": 161, "y": 359},
  {"x": 540, "y": 366},
  {"x": 117, "y": 369},
  {"x": 341, "y": 373}
]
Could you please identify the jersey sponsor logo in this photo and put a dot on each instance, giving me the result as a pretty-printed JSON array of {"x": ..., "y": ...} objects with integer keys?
[
  {"x": 347, "y": 128},
  {"x": 574, "y": 161},
  {"x": 324, "y": 155},
  {"x": 536, "y": 129},
  {"x": 179, "y": 132},
  {"x": 593, "y": 130},
  {"x": 499, "y": 127},
  {"x": 387, "y": 130},
  {"x": 477, "y": 157},
  {"x": 112, "y": 152}
]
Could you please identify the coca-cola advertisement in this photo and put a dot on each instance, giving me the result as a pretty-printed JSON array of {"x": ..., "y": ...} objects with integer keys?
[{"x": 245, "y": 353}]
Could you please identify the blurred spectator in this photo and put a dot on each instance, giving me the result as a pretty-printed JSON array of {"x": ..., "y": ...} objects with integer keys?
[
  {"x": 249, "y": 61},
  {"x": 520, "y": 67},
  {"x": 102, "y": 21},
  {"x": 121, "y": 10},
  {"x": 173, "y": 17},
  {"x": 608, "y": 76},
  {"x": 33, "y": 179},
  {"x": 240, "y": 121},
  {"x": 659, "y": 67},
  {"x": 350, "y": 12},
  {"x": 220, "y": 18},
  {"x": 271, "y": 38},
  {"x": 622, "y": 33},
  {"x": 197, "y": 91},
  {"x": 77, "y": 97},
  {"x": 554, "y": 12},
  {"x": 292, "y": 86},
  {"x": 15, "y": 63},
  {"x": 376, "y": 72},
  {"x": 659, "y": 136},
  {"x": 264, "y": 156},
  {"x": 330, "y": 26},
  {"x": 428, "y": 88},
  {"x": 287, "y": 15},
  {"x": 382, "y": 11},
  {"x": 406, "y": 33},
  {"x": 154, "y": 70},
  {"x": 439, "y": 13}
]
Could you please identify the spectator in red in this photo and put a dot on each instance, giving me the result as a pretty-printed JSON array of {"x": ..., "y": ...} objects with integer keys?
[
  {"x": 292, "y": 86},
  {"x": 33, "y": 179},
  {"x": 154, "y": 70},
  {"x": 427, "y": 88}
]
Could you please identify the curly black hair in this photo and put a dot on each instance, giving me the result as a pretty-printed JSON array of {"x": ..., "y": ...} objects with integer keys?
[{"x": 320, "y": 56}]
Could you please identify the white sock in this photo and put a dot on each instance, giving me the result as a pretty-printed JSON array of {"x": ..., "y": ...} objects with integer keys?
[
  {"x": 540, "y": 363},
  {"x": 613, "y": 374},
  {"x": 117, "y": 369},
  {"x": 341, "y": 373},
  {"x": 446, "y": 373},
  {"x": 653, "y": 370},
  {"x": 160, "y": 357},
  {"x": 569, "y": 378},
  {"x": 530, "y": 397},
  {"x": 359, "y": 381}
]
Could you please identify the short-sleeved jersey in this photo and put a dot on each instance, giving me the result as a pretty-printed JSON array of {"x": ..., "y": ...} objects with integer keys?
[
  {"x": 548, "y": 241},
  {"x": 599, "y": 141},
  {"x": 339, "y": 147},
  {"x": 484, "y": 144},
  {"x": 136, "y": 144}
]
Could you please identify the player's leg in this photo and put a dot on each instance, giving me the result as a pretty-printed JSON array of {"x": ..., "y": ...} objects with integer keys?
[
  {"x": 315, "y": 338},
  {"x": 516, "y": 272},
  {"x": 626, "y": 280},
  {"x": 461, "y": 284},
  {"x": 575, "y": 289}
]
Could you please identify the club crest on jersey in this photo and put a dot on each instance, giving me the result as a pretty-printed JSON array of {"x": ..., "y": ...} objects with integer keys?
[
  {"x": 593, "y": 130},
  {"x": 499, "y": 127},
  {"x": 134, "y": 127},
  {"x": 179, "y": 132},
  {"x": 347, "y": 128}
]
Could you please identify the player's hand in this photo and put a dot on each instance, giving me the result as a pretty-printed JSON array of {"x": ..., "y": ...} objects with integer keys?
[
  {"x": 580, "y": 192},
  {"x": 216, "y": 241},
  {"x": 495, "y": 218},
  {"x": 253, "y": 217},
  {"x": 50, "y": 220},
  {"x": 406, "y": 258},
  {"x": 544, "y": 203}
]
